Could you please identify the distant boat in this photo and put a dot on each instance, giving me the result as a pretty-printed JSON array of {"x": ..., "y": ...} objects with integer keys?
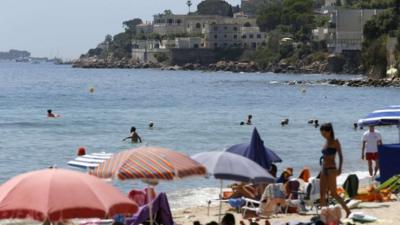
[
  {"x": 35, "y": 62},
  {"x": 22, "y": 60}
]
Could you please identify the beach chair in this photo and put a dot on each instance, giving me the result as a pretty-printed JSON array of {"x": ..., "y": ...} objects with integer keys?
[
  {"x": 141, "y": 197},
  {"x": 295, "y": 197},
  {"x": 272, "y": 197},
  {"x": 161, "y": 212},
  {"x": 393, "y": 184},
  {"x": 312, "y": 194}
]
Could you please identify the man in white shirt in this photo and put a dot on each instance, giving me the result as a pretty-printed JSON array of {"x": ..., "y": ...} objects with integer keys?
[{"x": 371, "y": 140}]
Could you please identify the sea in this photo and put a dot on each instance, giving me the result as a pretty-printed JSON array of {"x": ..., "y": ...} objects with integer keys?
[{"x": 193, "y": 112}]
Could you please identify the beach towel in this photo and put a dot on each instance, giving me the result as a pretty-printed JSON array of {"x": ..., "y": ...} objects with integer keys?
[
  {"x": 160, "y": 209},
  {"x": 351, "y": 185},
  {"x": 313, "y": 190},
  {"x": 362, "y": 218}
]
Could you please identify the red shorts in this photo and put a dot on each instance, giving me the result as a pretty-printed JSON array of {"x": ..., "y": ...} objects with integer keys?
[{"x": 372, "y": 156}]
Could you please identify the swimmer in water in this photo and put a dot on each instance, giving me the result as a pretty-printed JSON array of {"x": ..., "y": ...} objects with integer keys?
[
  {"x": 249, "y": 117},
  {"x": 151, "y": 125},
  {"x": 50, "y": 114},
  {"x": 135, "y": 138}
]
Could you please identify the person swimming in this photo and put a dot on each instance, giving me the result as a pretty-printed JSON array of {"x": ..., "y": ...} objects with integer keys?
[
  {"x": 135, "y": 138},
  {"x": 249, "y": 118},
  {"x": 151, "y": 125},
  {"x": 50, "y": 114}
]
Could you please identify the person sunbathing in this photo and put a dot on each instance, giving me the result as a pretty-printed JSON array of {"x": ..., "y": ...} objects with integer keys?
[{"x": 244, "y": 190}]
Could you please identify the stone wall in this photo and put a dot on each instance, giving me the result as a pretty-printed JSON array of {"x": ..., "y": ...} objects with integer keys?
[
  {"x": 148, "y": 55},
  {"x": 198, "y": 56}
]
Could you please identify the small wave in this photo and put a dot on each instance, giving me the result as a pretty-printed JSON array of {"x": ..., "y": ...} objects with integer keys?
[
  {"x": 189, "y": 198},
  {"x": 28, "y": 124}
]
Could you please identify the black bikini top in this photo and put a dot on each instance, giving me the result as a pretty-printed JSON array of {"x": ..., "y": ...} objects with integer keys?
[{"x": 329, "y": 151}]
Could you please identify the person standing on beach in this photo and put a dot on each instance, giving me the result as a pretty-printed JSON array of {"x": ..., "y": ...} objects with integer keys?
[
  {"x": 135, "y": 138},
  {"x": 370, "y": 142},
  {"x": 329, "y": 170}
]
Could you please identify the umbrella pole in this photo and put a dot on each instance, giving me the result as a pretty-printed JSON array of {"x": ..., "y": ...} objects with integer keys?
[
  {"x": 150, "y": 204},
  {"x": 220, "y": 202}
]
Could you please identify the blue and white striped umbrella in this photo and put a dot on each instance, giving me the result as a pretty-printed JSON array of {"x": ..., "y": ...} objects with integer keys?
[{"x": 386, "y": 116}]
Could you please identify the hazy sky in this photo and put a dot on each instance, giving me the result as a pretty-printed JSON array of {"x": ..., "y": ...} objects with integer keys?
[{"x": 67, "y": 28}]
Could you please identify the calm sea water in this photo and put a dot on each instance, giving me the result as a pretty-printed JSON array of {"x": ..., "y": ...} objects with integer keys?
[{"x": 192, "y": 111}]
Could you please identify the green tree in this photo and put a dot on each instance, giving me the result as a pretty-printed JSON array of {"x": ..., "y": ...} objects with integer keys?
[
  {"x": 168, "y": 12},
  {"x": 299, "y": 15},
  {"x": 380, "y": 24},
  {"x": 130, "y": 25},
  {"x": 121, "y": 46},
  {"x": 269, "y": 16}
]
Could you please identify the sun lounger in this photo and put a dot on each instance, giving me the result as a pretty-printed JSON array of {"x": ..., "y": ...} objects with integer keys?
[
  {"x": 274, "y": 195},
  {"x": 91, "y": 161},
  {"x": 393, "y": 184}
]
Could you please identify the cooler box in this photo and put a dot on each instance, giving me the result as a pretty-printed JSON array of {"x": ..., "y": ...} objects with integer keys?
[{"x": 389, "y": 160}]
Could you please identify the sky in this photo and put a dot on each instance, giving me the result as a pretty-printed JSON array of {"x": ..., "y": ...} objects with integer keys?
[{"x": 68, "y": 28}]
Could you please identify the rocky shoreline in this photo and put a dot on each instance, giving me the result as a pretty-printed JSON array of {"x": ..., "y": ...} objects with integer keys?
[
  {"x": 317, "y": 67},
  {"x": 393, "y": 82}
]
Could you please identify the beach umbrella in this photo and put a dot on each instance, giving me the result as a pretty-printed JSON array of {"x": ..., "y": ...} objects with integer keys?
[
  {"x": 229, "y": 166},
  {"x": 150, "y": 164},
  {"x": 57, "y": 194},
  {"x": 256, "y": 151},
  {"x": 386, "y": 116}
]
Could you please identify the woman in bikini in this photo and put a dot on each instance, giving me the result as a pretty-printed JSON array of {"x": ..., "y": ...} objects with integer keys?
[{"x": 329, "y": 170}]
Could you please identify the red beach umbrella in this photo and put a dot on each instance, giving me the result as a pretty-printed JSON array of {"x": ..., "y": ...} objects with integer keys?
[
  {"x": 152, "y": 163},
  {"x": 57, "y": 194}
]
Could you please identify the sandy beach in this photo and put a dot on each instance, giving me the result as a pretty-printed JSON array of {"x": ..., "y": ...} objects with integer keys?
[{"x": 386, "y": 212}]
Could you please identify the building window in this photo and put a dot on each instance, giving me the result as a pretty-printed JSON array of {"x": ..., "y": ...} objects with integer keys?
[
  {"x": 259, "y": 36},
  {"x": 215, "y": 45},
  {"x": 225, "y": 36},
  {"x": 235, "y": 36},
  {"x": 215, "y": 28},
  {"x": 215, "y": 36},
  {"x": 254, "y": 45},
  {"x": 198, "y": 25},
  {"x": 235, "y": 28},
  {"x": 225, "y": 45},
  {"x": 178, "y": 21},
  {"x": 244, "y": 36},
  {"x": 225, "y": 28},
  {"x": 196, "y": 46},
  {"x": 170, "y": 21},
  {"x": 251, "y": 36}
]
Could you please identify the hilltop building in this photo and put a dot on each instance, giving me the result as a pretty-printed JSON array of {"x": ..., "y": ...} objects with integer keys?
[{"x": 345, "y": 29}]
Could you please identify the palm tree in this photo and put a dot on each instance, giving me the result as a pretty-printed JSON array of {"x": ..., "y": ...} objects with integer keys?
[{"x": 189, "y": 3}]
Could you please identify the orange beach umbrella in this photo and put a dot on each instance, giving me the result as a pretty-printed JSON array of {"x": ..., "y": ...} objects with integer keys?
[{"x": 57, "y": 194}]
